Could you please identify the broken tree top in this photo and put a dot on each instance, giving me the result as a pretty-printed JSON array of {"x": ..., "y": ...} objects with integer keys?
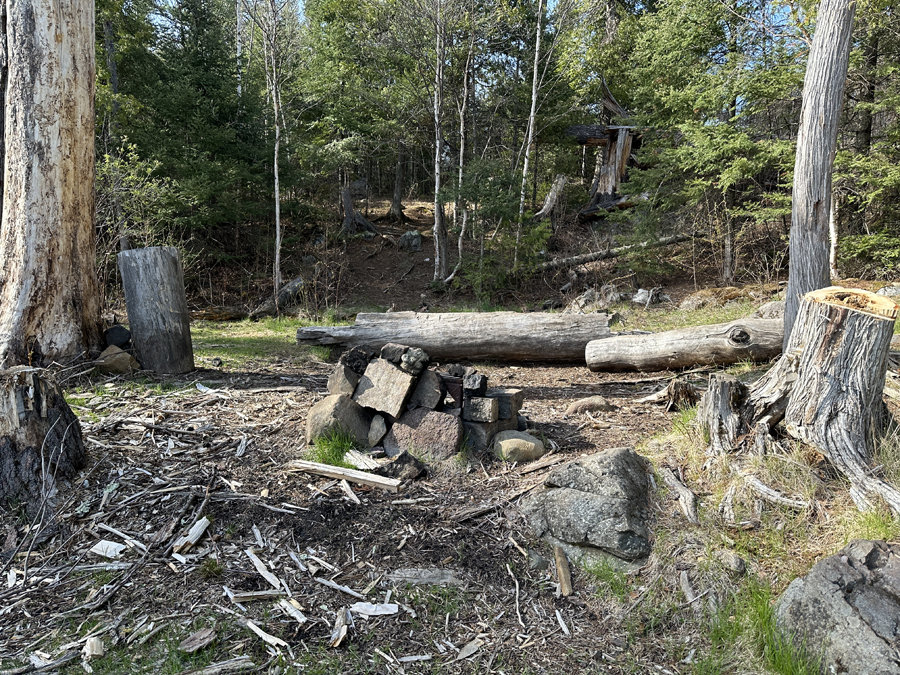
[{"x": 503, "y": 336}]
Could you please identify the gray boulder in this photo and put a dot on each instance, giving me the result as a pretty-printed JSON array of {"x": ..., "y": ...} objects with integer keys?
[
  {"x": 410, "y": 241},
  {"x": 338, "y": 412},
  {"x": 770, "y": 310},
  {"x": 429, "y": 392},
  {"x": 595, "y": 505},
  {"x": 343, "y": 380},
  {"x": 425, "y": 433},
  {"x": 891, "y": 291},
  {"x": 848, "y": 610}
]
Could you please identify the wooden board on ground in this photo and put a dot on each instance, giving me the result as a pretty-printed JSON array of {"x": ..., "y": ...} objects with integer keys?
[{"x": 361, "y": 477}]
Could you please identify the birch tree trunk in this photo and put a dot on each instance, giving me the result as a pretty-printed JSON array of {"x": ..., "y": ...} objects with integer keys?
[
  {"x": 440, "y": 227},
  {"x": 823, "y": 96},
  {"x": 49, "y": 298},
  {"x": 530, "y": 132}
]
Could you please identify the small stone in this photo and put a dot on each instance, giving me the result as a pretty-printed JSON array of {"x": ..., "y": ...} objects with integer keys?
[
  {"x": 115, "y": 360},
  {"x": 384, "y": 388},
  {"x": 590, "y": 404},
  {"x": 522, "y": 423},
  {"x": 393, "y": 352},
  {"x": 517, "y": 446},
  {"x": 479, "y": 409},
  {"x": 117, "y": 335},
  {"x": 732, "y": 561},
  {"x": 414, "y": 360},
  {"x": 429, "y": 392},
  {"x": 403, "y": 467},
  {"x": 474, "y": 384},
  {"x": 377, "y": 430},
  {"x": 357, "y": 359},
  {"x": 509, "y": 401},
  {"x": 343, "y": 380},
  {"x": 459, "y": 370},
  {"x": 338, "y": 412},
  {"x": 536, "y": 561}
]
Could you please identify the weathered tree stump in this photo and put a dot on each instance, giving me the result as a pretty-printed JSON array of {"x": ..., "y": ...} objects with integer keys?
[
  {"x": 157, "y": 308},
  {"x": 827, "y": 387},
  {"x": 836, "y": 402},
  {"x": 40, "y": 437}
]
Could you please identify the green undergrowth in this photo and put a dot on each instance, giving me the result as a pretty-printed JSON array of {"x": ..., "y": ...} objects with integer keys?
[{"x": 331, "y": 447}]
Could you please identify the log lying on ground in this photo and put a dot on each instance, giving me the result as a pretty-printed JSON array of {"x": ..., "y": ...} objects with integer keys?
[
  {"x": 827, "y": 387},
  {"x": 745, "y": 339},
  {"x": 612, "y": 253},
  {"x": 287, "y": 297},
  {"x": 503, "y": 336}
]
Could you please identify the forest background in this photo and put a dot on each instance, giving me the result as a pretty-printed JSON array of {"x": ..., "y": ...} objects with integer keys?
[{"x": 229, "y": 128}]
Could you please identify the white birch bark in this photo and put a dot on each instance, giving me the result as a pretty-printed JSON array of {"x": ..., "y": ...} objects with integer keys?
[{"x": 49, "y": 297}]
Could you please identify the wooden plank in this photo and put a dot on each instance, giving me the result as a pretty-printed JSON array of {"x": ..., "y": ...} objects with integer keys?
[
  {"x": 563, "y": 572},
  {"x": 352, "y": 475}
]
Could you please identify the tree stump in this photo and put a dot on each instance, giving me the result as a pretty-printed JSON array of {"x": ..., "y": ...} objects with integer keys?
[
  {"x": 40, "y": 437},
  {"x": 827, "y": 387},
  {"x": 157, "y": 308},
  {"x": 836, "y": 401}
]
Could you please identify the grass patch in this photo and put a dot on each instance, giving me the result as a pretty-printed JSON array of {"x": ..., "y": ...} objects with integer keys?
[
  {"x": 331, "y": 447},
  {"x": 610, "y": 580},
  {"x": 658, "y": 319}
]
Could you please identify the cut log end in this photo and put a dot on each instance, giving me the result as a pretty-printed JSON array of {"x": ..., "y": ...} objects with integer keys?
[{"x": 857, "y": 300}]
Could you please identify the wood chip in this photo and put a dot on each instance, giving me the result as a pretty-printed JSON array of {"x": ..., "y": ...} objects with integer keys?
[
  {"x": 562, "y": 624},
  {"x": 251, "y": 596},
  {"x": 341, "y": 624},
  {"x": 108, "y": 549},
  {"x": 264, "y": 636},
  {"x": 292, "y": 609},
  {"x": 370, "y": 609},
  {"x": 563, "y": 572},
  {"x": 345, "y": 486},
  {"x": 263, "y": 571},
  {"x": 338, "y": 587},
  {"x": 183, "y": 544},
  {"x": 469, "y": 649},
  {"x": 197, "y": 641}
]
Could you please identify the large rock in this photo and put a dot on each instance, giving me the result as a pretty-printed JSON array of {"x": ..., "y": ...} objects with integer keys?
[
  {"x": 384, "y": 387},
  {"x": 429, "y": 392},
  {"x": 517, "y": 446},
  {"x": 425, "y": 433},
  {"x": 338, "y": 412},
  {"x": 848, "y": 609},
  {"x": 343, "y": 380},
  {"x": 595, "y": 505}
]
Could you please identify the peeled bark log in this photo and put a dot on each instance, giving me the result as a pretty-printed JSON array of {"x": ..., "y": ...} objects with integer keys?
[
  {"x": 40, "y": 438},
  {"x": 504, "y": 336},
  {"x": 745, "y": 339},
  {"x": 157, "y": 308},
  {"x": 49, "y": 297},
  {"x": 611, "y": 253},
  {"x": 836, "y": 402}
]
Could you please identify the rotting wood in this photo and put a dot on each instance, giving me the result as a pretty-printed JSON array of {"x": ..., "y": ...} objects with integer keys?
[
  {"x": 352, "y": 475},
  {"x": 613, "y": 252},
  {"x": 774, "y": 496},
  {"x": 503, "y": 336},
  {"x": 184, "y": 544},
  {"x": 563, "y": 573},
  {"x": 742, "y": 340},
  {"x": 687, "y": 500}
]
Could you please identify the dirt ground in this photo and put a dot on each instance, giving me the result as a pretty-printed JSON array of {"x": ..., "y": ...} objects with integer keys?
[{"x": 165, "y": 451}]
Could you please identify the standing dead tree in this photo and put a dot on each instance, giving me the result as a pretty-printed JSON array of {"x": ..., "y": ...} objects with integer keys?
[{"x": 826, "y": 387}]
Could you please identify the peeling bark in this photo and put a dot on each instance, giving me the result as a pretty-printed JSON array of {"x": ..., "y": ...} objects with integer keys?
[{"x": 49, "y": 298}]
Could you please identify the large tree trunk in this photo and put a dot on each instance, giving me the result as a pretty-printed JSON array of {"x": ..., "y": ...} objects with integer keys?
[
  {"x": 40, "y": 438},
  {"x": 396, "y": 210},
  {"x": 157, "y": 309},
  {"x": 49, "y": 300},
  {"x": 823, "y": 96},
  {"x": 504, "y": 336},
  {"x": 742, "y": 340},
  {"x": 827, "y": 386},
  {"x": 354, "y": 221}
]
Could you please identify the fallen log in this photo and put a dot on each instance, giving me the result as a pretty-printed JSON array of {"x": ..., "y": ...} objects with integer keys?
[
  {"x": 613, "y": 252},
  {"x": 503, "y": 336},
  {"x": 745, "y": 339},
  {"x": 288, "y": 296}
]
